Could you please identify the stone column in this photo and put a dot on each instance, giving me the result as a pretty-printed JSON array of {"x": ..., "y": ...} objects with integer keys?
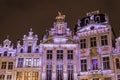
[
  {"x": 14, "y": 75},
  {"x": 54, "y": 64},
  {"x": 65, "y": 64},
  {"x": 39, "y": 75}
]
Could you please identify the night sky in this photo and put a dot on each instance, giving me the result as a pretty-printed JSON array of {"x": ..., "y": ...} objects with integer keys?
[{"x": 18, "y": 16}]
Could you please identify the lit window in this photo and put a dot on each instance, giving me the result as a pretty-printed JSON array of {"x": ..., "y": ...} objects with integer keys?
[
  {"x": 93, "y": 42},
  {"x": 10, "y": 65},
  {"x": 20, "y": 62},
  {"x": 9, "y": 77},
  {"x": 104, "y": 40},
  {"x": 2, "y": 77},
  {"x": 4, "y": 65},
  {"x": 59, "y": 54},
  {"x": 49, "y": 54},
  {"x": 36, "y": 62},
  {"x": 83, "y": 65},
  {"x": 27, "y": 76},
  {"x": 106, "y": 63},
  {"x": 28, "y": 62},
  {"x": 83, "y": 43},
  {"x": 117, "y": 63},
  {"x": 94, "y": 64},
  {"x": 34, "y": 75},
  {"x": 70, "y": 54},
  {"x": 19, "y": 76}
]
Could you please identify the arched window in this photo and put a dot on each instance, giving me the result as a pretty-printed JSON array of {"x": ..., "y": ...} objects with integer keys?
[
  {"x": 5, "y": 53},
  {"x": 29, "y": 49},
  {"x": 97, "y": 19},
  {"x": 86, "y": 21}
]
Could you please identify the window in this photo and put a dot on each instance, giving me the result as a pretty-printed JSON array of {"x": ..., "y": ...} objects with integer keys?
[
  {"x": 49, "y": 54},
  {"x": 97, "y": 19},
  {"x": 49, "y": 72},
  {"x": 106, "y": 63},
  {"x": 70, "y": 54},
  {"x": 28, "y": 62},
  {"x": 70, "y": 72},
  {"x": 9, "y": 77},
  {"x": 2, "y": 77},
  {"x": 27, "y": 76},
  {"x": 59, "y": 72},
  {"x": 0, "y": 54},
  {"x": 117, "y": 63},
  {"x": 86, "y": 20},
  {"x": 83, "y": 43},
  {"x": 5, "y": 53},
  {"x": 10, "y": 65},
  {"x": 29, "y": 49},
  {"x": 83, "y": 65},
  {"x": 59, "y": 54},
  {"x": 94, "y": 64},
  {"x": 34, "y": 75},
  {"x": 20, "y": 62},
  {"x": 36, "y": 62},
  {"x": 93, "y": 42},
  {"x": 10, "y": 54},
  {"x": 118, "y": 76},
  {"x": 4, "y": 65},
  {"x": 107, "y": 78},
  {"x": 104, "y": 40},
  {"x": 37, "y": 50},
  {"x": 19, "y": 76}
]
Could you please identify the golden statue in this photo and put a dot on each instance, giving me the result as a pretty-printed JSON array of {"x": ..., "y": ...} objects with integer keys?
[{"x": 60, "y": 16}]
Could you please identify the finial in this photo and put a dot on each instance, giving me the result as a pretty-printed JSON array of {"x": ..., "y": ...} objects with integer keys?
[
  {"x": 7, "y": 36},
  {"x": 30, "y": 29}
]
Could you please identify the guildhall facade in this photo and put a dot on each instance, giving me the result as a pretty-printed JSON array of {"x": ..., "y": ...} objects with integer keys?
[{"x": 85, "y": 54}]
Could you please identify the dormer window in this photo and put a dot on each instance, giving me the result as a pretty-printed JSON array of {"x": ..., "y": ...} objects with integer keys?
[
  {"x": 5, "y": 53},
  {"x": 92, "y": 27},
  {"x": 86, "y": 21},
  {"x": 97, "y": 19},
  {"x": 37, "y": 50}
]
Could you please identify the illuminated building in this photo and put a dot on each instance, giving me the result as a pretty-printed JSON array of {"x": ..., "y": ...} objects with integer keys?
[{"x": 88, "y": 54}]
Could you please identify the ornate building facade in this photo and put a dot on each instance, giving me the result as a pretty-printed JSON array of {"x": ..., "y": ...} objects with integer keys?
[{"x": 85, "y": 54}]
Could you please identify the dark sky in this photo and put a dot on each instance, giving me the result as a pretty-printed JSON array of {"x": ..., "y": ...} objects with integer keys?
[{"x": 18, "y": 16}]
